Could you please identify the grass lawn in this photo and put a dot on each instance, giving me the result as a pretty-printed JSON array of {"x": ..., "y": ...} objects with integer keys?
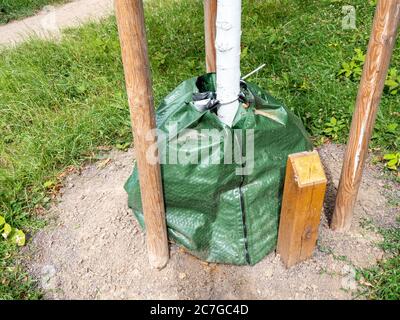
[
  {"x": 16, "y": 9},
  {"x": 60, "y": 101},
  {"x": 383, "y": 280}
]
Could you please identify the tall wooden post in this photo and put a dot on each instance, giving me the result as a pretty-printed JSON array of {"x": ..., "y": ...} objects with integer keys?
[
  {"x": 380, "y": 48},
  {"x": 210, "y": 18},
  {"x": 131, "y": 27}
]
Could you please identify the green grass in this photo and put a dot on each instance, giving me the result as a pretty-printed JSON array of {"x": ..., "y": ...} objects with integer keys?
[
  {"x": 16, "y": 9},
  {"x": 60, "y": 101},
  {"x": 382, "y": 282}
]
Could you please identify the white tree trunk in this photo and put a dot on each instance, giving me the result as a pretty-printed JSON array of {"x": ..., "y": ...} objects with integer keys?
[{"x": 228, "y": 58}]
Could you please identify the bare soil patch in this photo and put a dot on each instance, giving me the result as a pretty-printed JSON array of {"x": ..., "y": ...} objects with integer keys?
[{"x": 93, "y": 248}]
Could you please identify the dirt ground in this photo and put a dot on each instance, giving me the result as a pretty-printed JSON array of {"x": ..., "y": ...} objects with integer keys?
[{"x": 93, "y": 248}]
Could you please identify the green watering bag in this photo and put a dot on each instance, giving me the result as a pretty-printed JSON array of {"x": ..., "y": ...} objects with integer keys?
[{"x": 222, "y": 190}]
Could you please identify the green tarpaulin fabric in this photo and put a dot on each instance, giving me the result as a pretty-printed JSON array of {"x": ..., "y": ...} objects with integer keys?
[{"x": 220, "y": 209}]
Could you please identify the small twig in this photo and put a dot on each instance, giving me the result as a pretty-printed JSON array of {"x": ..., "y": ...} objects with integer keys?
[{"x": 253, "y": 72}]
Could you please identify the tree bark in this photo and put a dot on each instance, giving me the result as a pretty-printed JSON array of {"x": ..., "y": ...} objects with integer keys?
[{"x": 228, "y": 58}]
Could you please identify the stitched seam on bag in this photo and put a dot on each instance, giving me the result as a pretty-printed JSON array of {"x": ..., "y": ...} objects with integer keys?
[{"x": 243, "y": 211}]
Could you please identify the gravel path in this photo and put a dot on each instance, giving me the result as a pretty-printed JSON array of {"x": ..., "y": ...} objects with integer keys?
[
  {"x": 93, "y": 248},
  {"x": 52, "y": 19}
]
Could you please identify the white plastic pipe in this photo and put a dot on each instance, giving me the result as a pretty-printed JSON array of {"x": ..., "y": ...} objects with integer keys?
[{"x": 228, "y": 58}]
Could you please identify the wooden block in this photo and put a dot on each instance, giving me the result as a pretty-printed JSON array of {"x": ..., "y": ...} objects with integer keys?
[{"x": 303, "y": 197}]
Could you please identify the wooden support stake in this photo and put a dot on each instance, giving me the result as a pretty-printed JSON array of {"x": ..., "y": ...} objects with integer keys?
[
  {"x": 303, "y": 197},
  {"x": 130, "y": 20},
  {"x": 210, "y": 18},
  {"x": 376, "y": 65}
]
